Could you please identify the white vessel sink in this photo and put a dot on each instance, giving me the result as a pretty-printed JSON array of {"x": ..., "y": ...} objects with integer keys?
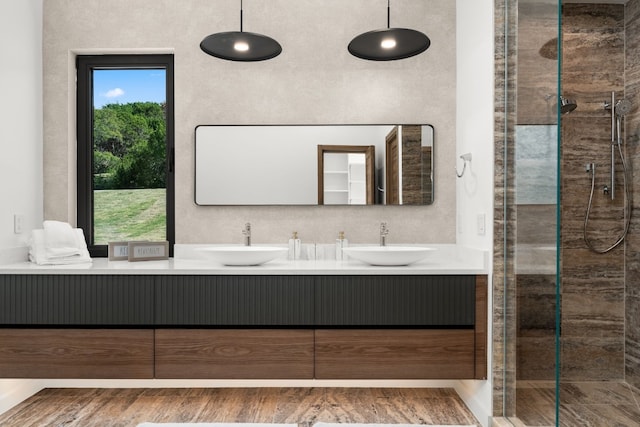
[
  {"x": 244, "y": 255},
  {"x": 388, "y": 255}
]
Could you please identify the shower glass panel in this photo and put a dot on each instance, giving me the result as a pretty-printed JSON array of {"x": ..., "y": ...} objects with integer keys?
[
  {"x": 599, "y": 363},
  {"x": 532, "y": 142}
]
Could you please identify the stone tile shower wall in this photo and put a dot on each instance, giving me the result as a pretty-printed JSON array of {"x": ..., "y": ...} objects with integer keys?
[
  {"x": 503, "y": 313},
  {"x": 632, "y": 294},
  {"x": 593, "y": 285}
]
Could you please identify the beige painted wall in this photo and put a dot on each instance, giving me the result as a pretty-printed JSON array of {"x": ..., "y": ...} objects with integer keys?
[{"x": 314, "y": 81}]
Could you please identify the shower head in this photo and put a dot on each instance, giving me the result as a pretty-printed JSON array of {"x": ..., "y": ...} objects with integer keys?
[
  {"x": 623, "y": 107},
  {"x": 567, "y": 105}
]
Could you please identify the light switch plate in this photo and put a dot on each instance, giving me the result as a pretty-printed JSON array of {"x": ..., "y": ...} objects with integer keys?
[
  {"x": 18, "y": 223},
  {"x": 481, "y": 226}
]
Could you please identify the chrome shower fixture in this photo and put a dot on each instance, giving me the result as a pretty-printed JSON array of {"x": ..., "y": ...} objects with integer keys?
[
  {"x": 567, "y": 105},
  {"x": 618, "y": 110},
  {"x": 622, "y": 108},
  {"x": 591, "y": 170}
]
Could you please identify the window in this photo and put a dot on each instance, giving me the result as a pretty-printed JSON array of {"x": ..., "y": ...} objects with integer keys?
[{"x": 125, "y": 137}]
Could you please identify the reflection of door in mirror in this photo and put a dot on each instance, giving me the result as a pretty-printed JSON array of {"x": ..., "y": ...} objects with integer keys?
[
  {"x": 392, "y": 154},
  {"x": 346, "y": 174},
  {"x": 408, "y": 164}
]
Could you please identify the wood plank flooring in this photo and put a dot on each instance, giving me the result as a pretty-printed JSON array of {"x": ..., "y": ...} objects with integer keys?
[{"x": 304, "y": 406}]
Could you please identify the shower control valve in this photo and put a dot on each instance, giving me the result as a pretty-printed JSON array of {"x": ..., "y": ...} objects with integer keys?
[{"x": 605, "y": 190}]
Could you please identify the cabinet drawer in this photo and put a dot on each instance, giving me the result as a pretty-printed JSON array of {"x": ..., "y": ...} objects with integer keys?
[
  {"x": 394, "y": 354},
  {"x": 234, "y": 353},
  {"x": 76, "y": 353},
  {"x": 234, "y": 301},
  {"x": 395, "y": 301},
  {"x": 76, "y": 300}
]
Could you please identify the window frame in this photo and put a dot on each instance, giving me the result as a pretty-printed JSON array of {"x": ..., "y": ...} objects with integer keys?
[{"x": 85, "y": 64}]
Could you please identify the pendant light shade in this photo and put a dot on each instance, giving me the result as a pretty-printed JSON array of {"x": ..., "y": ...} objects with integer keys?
[
  {"x": 389, "y": 44},
  {"x": 241, "y": 45}
]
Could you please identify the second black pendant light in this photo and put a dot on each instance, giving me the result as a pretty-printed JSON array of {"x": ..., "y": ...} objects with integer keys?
[{"x": 390, "y": 43}]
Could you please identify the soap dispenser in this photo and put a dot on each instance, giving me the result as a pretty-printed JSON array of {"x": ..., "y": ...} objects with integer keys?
[
  {"x": 294, "y": 246},
  {"x": 341, "y": 243}
]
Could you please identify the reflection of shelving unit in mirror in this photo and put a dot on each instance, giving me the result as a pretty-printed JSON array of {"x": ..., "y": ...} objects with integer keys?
[
  {"x": 346, "y": 174},
  {"x": 356, "y": 179},
  {"x": 344, "y": 179},
  {"x": 336, "y": 186}
]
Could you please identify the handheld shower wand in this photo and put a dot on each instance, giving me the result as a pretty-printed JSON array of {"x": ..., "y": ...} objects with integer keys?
[
  {"x": 618, "y": 111},
  {"x": 623, "y": 106}
]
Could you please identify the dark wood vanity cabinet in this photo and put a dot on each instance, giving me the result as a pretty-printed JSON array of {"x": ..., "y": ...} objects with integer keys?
[
  {"x": 390, "y": 327},
  {"x": 88, "y": 326},
  {"x": 254, "y": 327}
]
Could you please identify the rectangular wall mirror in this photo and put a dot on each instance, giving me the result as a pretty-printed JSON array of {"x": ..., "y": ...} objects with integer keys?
[{"x": 314, "y": 164}]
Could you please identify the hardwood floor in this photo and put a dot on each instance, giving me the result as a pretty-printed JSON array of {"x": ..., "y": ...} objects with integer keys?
[{"x": 304, "y": 406}]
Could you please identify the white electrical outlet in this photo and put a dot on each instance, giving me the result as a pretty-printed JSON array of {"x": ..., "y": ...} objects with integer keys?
[
  {"x": 18, "y": 223},
  {"x": 481, "y": 226}
]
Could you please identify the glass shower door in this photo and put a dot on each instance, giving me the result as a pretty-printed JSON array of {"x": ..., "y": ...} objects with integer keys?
[{"x": 531, "y": 204}]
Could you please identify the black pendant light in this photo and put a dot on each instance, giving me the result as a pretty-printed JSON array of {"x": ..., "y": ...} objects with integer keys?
[
  {"x": 240, "y": 45},
  {"x": 389, "y": 44}
]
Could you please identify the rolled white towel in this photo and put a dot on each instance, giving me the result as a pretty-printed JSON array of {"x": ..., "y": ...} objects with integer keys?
[
  {"x": 38, "y": 252},
  {"x": 60, "y": 240}
]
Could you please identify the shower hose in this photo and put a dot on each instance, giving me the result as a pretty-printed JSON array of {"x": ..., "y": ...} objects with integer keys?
[{"x": 627, "y": 207}]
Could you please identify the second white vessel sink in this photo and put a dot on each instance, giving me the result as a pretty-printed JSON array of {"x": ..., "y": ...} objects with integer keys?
[
  {"x": 244, "y": 255},
  {"x": 388, "y": 255}
]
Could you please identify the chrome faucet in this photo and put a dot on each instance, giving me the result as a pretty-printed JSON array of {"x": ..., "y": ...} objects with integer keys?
[
  {"x": 383, "y": 233},
  {"x": 247, "y": 234}
]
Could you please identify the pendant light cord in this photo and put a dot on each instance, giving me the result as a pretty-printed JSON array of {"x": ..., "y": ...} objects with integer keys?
[
  {"x": 388, "y": 13},
  {"x": 240, "y": 15}
]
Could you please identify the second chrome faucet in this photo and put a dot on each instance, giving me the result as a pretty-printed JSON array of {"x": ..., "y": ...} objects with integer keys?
[
  {"x": 384, "y": 231},
  {"x": 247, "y": 234}
]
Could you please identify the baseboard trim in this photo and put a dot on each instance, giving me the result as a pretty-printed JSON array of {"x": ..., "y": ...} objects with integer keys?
[{"x": 477, "y": 396}]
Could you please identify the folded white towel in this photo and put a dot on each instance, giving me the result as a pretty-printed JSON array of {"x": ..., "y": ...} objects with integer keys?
[
  {"x": 38, "y": 250},
  {"x": 60, "y": 240}
]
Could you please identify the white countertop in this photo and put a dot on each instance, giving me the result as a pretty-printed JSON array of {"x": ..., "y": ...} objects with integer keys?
[{"x": 444, "y": 260}]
